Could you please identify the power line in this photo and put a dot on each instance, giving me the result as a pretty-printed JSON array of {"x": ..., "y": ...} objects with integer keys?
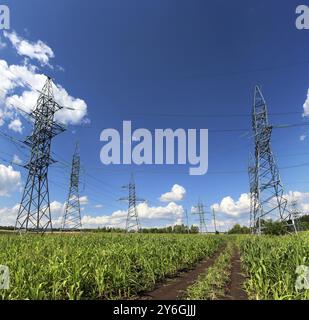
[{"x": 202, "y": 115}]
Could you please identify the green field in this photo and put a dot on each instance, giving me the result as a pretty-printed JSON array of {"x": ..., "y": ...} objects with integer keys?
[
  {"x": 96, "y": 266},
  {"x": 271, "y": 263},
  {"x": 120, "y": 266}
]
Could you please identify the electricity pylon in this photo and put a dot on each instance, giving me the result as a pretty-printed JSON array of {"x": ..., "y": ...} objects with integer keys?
[
  {"x": 296, "y": 212},
  {"x": 267, "y": 199},
  {"x": 72, "y": 216},
  {"x": 34, "y": 211},
  {"x": 253, "y": 192},
  {"x": 214, "y": 218},
  {"x": 187, "y": 220},
  {"x": 199, "y": 209},
  {"x": 132, "y": 222}
]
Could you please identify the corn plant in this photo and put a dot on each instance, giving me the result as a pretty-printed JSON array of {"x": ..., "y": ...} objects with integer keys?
[
  {"x": 96, "y": 266},
  {"x": 271, "y": 263}
]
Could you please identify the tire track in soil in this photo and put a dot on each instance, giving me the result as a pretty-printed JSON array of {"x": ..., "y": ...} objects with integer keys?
[
  {"x": 235, "y": 289},
  {"x": 175, "y": 288}
]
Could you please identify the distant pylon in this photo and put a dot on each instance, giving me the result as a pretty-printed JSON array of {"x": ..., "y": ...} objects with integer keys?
[
  {"x": 296, "y": 212},
  {"x": 267, "y": 200},
  {"x": 199, "y": 209},
  {"x": 214, "y": 218},
  {"x": 132, "y": 222},
  {"x": 72, "y": 216},
  {"x": 187, "y": 220},
  {"x": 34, "y": 211}
]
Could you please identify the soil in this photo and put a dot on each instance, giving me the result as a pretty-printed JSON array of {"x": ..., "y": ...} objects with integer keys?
[
  {"x": 175, "y": 288},
  {"x": 235, "y": 289}
]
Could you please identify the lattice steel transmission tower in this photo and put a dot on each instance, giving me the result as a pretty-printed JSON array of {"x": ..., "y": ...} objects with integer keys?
[
  {"x": 214, "y": 218},
  {"x": 254, "y": 192},
  {"x": 296, "y": 212},
  {"x": 132, "y": 222},
  {"x": 186, "y": 217},
  {"x": 34, "y": 211},
  {"x": 199, "y": 209},
  {"x": 72, "y": 215},
  {"x": 267, "y": 200}
]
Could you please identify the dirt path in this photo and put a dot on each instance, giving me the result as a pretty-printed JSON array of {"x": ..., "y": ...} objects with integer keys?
[
  {"x": 174, "y": 288},
  {"x": 235, "y": 290}
]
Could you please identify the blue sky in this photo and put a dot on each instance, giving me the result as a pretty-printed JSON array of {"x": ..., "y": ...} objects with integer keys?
[{"x": 167, "y": 64}]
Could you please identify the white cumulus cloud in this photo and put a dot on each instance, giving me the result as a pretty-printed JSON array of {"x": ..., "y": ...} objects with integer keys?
[
  {"x": 83, "y": 200},
  {"x": 306, "y": 106},
  {"x": 26, "y": 79},
  {"x": 38, "y": 50},
  {"x": 16, "y": 125},
  {"x": 56, "y": 209},
  {"x": 8, "y": 215},
  {"x": 233, "y": 208},
  {"x": 170, "y": 214},
  {"x": 176, "y": 194},
  {"x": 10, "y": 180}
]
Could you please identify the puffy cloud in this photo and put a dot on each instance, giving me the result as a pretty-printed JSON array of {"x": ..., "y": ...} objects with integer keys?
[
  {"x": 171, "y": 214},
  {"x": 297, "y": 195},
  {"x": 34, "y": 50},
  {"x": 306, "y": 106},
  {"x": 83, "y": 200},
  {"x": 2, "y": 117},
  {"x": 56, "y": 209},
  {"x": 6, "y": 79},
  {"x": 194, "y": 209},
  {"x": 10, "y": 180},
  {"x": 301, "y": 198},
  {"x": 16, "y": 125},
  {"x": 26, "y": 78},
  {"x": 8, "y": 215},
  {"x": 170, "y": 211},
  {"x": 176, "y": 194},
  {"x": 233, "y": 208},
  {"x": 17, "y": 160}
]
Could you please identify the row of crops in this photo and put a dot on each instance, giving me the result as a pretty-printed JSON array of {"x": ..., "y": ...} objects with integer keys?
[
  {"x": 275, "y": 265},
  {"x": 96, "y": 266}
]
